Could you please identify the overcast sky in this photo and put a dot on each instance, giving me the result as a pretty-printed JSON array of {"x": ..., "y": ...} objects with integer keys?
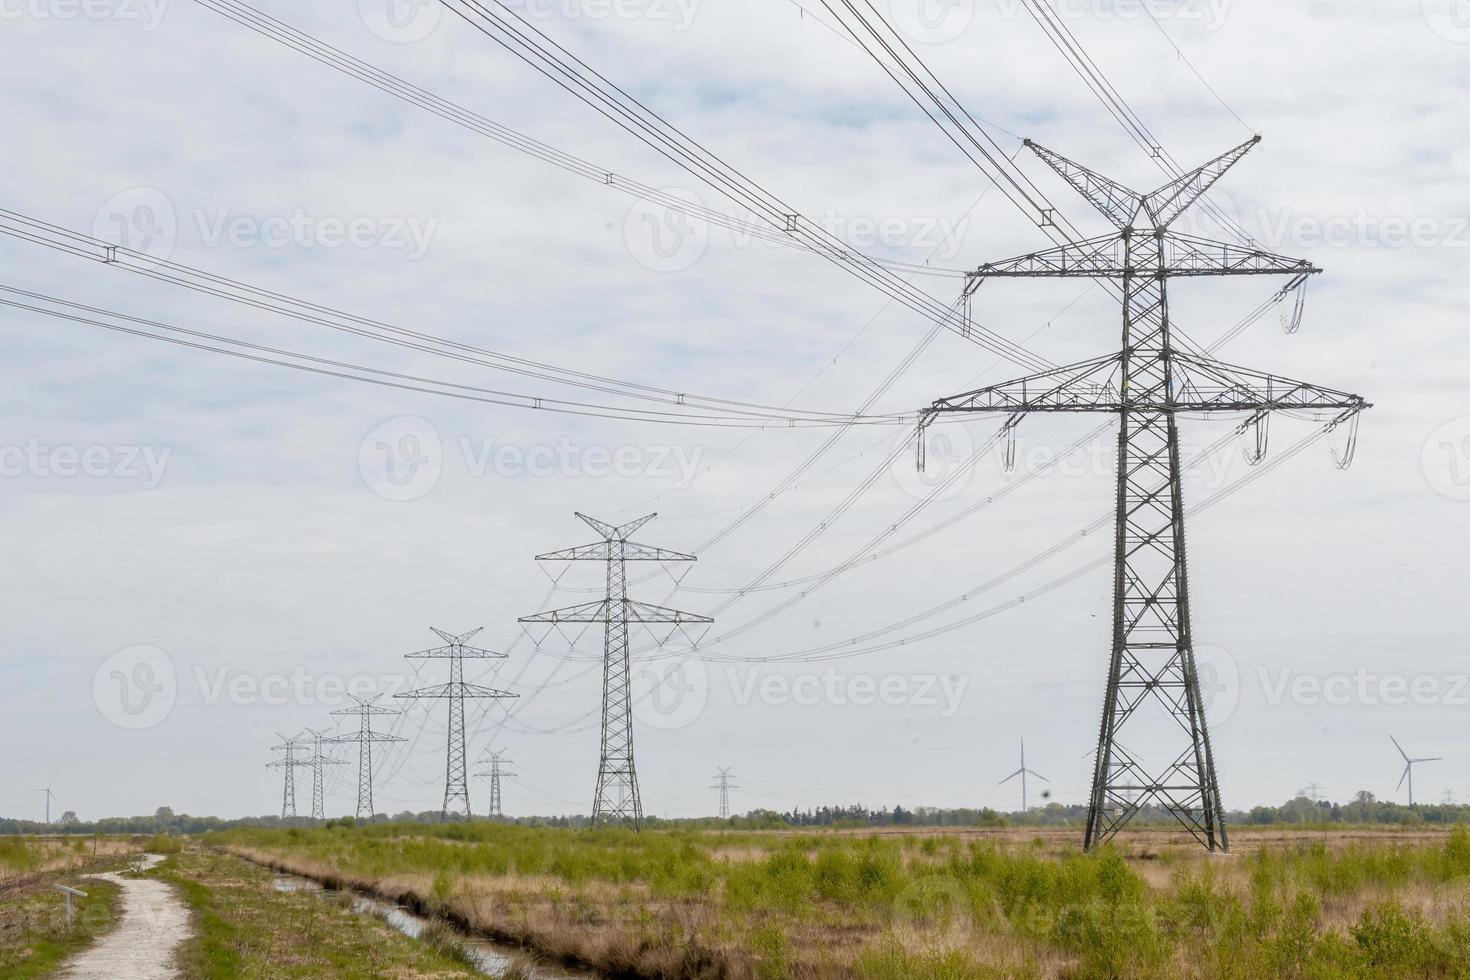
[{"x": 204, "y": 551}]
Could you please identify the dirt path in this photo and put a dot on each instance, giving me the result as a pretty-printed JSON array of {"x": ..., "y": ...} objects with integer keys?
[{"x": 154, "y": 921}]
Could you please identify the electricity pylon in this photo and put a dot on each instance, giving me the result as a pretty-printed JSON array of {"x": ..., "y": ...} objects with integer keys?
[
  {"x": 496, "y": 773},
  {"x": 722, "y": 779},
  {"x": 317, "y": 760},
  {"x": 617, "y": 796},
  {"x": 1023, "y": 772},
  {"x": 1148, "y": 384},
  {"x": 288, "y": 766},
  {"x": 365, "y": 737},
  {"x": 456, "y": 786}
]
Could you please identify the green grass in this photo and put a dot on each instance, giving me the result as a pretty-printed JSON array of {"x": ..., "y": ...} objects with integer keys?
[
  {"x": 819, "y": 904},
  {"x": 34, "y": 941},
  {"x": 244, "y": 928}
]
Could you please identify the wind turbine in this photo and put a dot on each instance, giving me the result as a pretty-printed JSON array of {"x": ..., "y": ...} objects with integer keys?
[
  {"x": 1023, "y": 772},
  {"x": 49, "y": 796},
  {"x": 1409, "y": 767}
]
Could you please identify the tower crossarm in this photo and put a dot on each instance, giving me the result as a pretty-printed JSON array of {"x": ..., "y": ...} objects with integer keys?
[
  {"x": 604, "y": 550},
  {"x": 1117, "y": 203},
  {"x": 456, "y": 689},
  {"x": 1182, "y": 255},
  {"x": 1088, "y": 386},
  {"x": 1200, "y": 385},
  {"x": 603, "y": 611},
  {"x": 1176, "y": 197},
  {"x": 453, "y": 652}
]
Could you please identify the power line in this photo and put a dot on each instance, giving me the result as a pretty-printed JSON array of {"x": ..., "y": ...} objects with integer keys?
[
  {"x": 36, "y": 231},
  {"x": 528, "y": 43}
]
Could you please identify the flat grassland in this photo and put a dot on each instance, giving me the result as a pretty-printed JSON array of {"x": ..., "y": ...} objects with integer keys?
[{"x": 920, "y": 903}]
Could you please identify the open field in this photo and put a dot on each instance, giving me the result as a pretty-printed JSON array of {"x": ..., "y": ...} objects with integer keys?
[
  {"x": 243, "y": 927},
  {"x": 957, "y": 903},
  {"x": 34, "y": 940}
]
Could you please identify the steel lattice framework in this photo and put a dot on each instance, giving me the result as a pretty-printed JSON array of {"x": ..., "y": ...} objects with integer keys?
[
  {"x": 722, "y": 783},
  {"x": 1148, "y": 384},
  {"x": 456, "y": 783},
  {"x": 496, "y": 773},
  {"x": 317, "y": 760},
  {"x": 288, "y": 765},
  {"x": 616, "y": 799},
  {"x": 365, "y": 737}
]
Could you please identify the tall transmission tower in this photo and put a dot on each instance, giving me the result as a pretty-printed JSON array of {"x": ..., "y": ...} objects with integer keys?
[
  {"x": 1148, "y": 384},
  {"x": 616, "y": 799},
  {"x": 317, "y": 761},
  {"x": 288, "y": 765},
  {"x": 722, "y": 779},
  {"x": 365, "y": 709},
  {"x": 456, "y": 785},
  {"x": 495, "y": 774}
]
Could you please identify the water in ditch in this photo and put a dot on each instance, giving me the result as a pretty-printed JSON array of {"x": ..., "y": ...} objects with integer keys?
[{"x": 490, "y": 958}]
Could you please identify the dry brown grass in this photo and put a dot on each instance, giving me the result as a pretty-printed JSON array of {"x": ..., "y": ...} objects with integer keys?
[{"x": 633, "y": 930}]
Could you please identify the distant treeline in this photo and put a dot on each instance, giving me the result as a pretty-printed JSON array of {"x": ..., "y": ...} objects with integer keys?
[{"x": 1363, "y": 809}]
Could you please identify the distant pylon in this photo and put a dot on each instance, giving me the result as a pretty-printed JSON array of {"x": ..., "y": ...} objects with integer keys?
[
  {"x": 1023, "y": 772},
  {"x": 288, "y": 765},
  {"x": 317, "y": 760},
  {"x": 456, "y": 785},
  {"x": 496, "y": 773},
  {"x": 365, "y": 737},
  {"x": 722, "y": 779},
  {"x": 617, "y": 798}
]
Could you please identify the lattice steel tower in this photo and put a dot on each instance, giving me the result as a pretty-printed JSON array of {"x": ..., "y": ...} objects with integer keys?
[
  {"x": 365, "y": 737},
  {"x": 456, "y": 785},
  {"x": 1148, "y": 384},
  {"x": 722, "y": 779},
  {"x": 288, "y": 766},
  {"x": 317, "y": 760},
  {"x": 495, "y": 775},
  {"x": 617, "y": 796}
]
